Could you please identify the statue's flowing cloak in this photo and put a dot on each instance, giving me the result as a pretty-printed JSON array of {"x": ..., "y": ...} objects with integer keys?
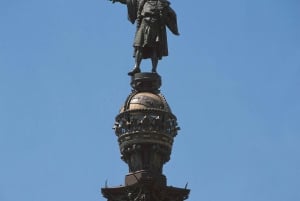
[
  {"x": 171, "y": 21},
  {"x": 132, "y": 6},
  {"x": 152, "y": 36}
]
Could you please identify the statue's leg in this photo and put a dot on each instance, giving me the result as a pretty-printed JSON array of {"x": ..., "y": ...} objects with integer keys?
[
  {"x": 154, "y": 60},
  {"x": 138, "y": 60}
]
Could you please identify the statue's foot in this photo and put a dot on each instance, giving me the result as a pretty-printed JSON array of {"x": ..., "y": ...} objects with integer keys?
[
  {"x": 154, "y": 70},
  {"x": 134, "y": 71}
]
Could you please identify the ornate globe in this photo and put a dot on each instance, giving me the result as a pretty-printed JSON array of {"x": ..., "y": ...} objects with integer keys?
[{"x": 146, "y": 100}]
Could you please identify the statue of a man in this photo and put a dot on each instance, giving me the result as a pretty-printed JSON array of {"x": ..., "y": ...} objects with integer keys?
[{"x": 151, "y": 17}]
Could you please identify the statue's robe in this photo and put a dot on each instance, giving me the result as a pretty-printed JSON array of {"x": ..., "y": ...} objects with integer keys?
[{"x": 152, "y": 17}]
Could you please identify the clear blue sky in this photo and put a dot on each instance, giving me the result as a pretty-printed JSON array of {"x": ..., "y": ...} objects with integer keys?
[{"x": 232, "y": 79}]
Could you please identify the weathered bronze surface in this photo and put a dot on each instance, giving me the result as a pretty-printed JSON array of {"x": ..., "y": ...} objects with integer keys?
[
  {"x": 145, "y": 125},
  {"x": 151, "y": 17}
]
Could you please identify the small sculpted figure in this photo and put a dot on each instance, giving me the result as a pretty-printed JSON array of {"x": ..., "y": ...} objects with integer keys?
[{"x": 151, "y": 17}]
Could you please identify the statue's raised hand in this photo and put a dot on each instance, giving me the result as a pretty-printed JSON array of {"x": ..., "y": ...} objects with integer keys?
[{"x": 121, "y": 1}]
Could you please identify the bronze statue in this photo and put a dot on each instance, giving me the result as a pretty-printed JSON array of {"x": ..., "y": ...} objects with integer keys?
[{"x": 151, "y": 17}]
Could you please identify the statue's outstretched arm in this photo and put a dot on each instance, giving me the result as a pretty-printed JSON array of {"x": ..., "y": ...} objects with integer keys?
[{"x": 121, "y": 1}]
